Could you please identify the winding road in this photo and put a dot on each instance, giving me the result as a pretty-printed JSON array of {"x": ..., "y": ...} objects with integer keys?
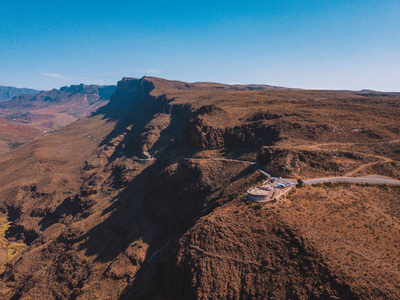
[{"x": 373, "y": 179}]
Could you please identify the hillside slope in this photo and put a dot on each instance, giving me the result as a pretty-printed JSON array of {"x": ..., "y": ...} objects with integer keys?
[
  {"x": 86, "y": 214},
  {"x": 12, "y": 134}
]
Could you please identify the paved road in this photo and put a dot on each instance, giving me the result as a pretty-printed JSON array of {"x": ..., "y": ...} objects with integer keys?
[
  {"x": 370, "y": 180},
  {"x": 265, "y": 173},
  {"x": 222, "y": 159}
]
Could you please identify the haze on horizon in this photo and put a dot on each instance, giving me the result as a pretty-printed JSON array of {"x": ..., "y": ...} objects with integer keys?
[{"x": 319, "y": 44}]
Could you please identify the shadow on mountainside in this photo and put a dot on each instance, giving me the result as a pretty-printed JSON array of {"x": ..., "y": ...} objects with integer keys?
[
  {"x": 131, "y": 106},
  {"x": 154, "y": 207}
]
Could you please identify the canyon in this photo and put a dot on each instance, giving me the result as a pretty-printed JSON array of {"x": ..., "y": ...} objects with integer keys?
[{"x": 143, "y": 197}]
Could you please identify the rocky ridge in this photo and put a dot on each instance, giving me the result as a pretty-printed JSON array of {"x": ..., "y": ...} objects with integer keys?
[{"x": 9, "y": 92}]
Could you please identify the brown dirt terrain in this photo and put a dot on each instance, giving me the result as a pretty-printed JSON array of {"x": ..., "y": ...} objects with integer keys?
[
  {"x": 12, "y": 135},
  {"x": 84, "y": 218}
]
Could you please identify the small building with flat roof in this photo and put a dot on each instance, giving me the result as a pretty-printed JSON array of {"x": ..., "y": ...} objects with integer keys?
[{"x": 259, "y": 194}]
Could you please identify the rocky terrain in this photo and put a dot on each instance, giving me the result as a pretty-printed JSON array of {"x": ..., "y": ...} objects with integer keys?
[
  {"x": 8, "y": 92},
  {"x": 30, "y": 115},
  {"x": 87, "y": 214}
]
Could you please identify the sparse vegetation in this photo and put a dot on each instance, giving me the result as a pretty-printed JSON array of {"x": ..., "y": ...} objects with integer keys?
[
  {"x": 257, "y": 206},
  {"x": 99, "y": 224},
  {"x": 14, "y": 145},
  {"x": 300, "y": 183}
]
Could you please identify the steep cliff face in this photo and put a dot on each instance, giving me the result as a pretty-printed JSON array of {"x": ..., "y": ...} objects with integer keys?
[
  {"x": 202, "y": 136},
  {"x": 207, "y": 130},
  {"x": 128, "y": 93},
  {"x": 148, "y": 121}
]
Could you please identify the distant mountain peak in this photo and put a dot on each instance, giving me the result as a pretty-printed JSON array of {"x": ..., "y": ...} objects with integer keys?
[{"x": 9, "y": 92}]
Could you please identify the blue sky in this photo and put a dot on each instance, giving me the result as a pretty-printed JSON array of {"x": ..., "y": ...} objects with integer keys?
[{"x": 307, "y": 44}]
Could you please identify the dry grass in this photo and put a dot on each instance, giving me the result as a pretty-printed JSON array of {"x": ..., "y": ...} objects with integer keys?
[
  {"x": 8, "y": 250},
  {"x": 106, "y": 216},
  {"x": 354, "y": 227}
]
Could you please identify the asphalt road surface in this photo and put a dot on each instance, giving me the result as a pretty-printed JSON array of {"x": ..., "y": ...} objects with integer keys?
[{"x": 369, "y": 179}]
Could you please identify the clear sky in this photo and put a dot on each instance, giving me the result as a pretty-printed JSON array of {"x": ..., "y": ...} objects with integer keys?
[{"x": 346, "y": 44}]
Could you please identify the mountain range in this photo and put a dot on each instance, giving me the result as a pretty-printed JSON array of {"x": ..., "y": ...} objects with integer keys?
[
  {"x": 28, "y": 116},
  {"x": 144, "y": 198},
  {"x": 8, "y": 92}
]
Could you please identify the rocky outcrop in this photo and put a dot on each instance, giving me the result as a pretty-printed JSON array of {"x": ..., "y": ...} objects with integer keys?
[
  {"x": 153, "y": 122},
  {"x": 264, "y": 116},
  {"x": 202, "y": 136},
  {"x": 207, "y": 130},
  {"x": 290, "y": 162},
  {"x": 251, "y": 136},
  {"x": 280, "y": 162},
  {"x": 211, "y": 110}
]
